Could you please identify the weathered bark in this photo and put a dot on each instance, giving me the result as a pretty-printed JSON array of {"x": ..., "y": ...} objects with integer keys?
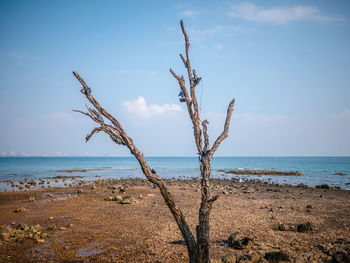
[
  {"x": 119, "y": 136},
  {"x": 204, "y": 151},
  {"x": 198, "y": 251}
]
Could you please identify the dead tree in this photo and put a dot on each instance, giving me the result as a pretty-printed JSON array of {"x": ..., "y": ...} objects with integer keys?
[{"x": 198, "y": 249}]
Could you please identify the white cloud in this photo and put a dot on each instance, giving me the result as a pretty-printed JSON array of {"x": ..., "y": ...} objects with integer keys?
[
  {"x": 141, "y": 108},
  {"x": 218, "y": 46},
  {"x": 279, "y": 15},
  {"x": 346, "y": 113},
  {"x": 16, "y": 55},
  {"x": 189, "y": 13}
]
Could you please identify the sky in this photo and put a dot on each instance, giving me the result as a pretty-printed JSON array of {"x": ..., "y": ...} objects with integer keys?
[{"x": 287, "y": 64}]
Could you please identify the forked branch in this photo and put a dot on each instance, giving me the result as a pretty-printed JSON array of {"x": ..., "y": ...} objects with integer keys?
[
  {"x": 224, "y": 134},
  {"x": 119, "y": 136}
]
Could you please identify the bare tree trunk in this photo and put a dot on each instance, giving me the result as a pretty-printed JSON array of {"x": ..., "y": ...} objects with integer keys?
[
  {"x": 204, "y": 212},
  {"x": 198, "y": 251}
]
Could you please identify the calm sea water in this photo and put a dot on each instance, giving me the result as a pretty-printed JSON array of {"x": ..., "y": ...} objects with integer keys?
[{"x": 316, "y": 170}]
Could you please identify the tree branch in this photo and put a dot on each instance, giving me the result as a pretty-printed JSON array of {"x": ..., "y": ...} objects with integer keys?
[
  {"x": 224, "y": 134},
  {"x": 206, "y": 137},
  {"x": 119, "y": 136},
  {"x": 97, "y": 129}
]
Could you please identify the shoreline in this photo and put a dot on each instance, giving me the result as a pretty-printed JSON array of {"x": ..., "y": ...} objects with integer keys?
[{"x": 78, "y": 223}]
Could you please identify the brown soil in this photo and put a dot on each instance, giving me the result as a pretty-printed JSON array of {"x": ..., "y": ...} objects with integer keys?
[{"x": 90, "y": 229}]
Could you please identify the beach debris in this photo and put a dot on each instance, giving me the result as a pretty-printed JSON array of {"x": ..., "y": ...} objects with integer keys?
[
  {"x": 19, "y": 210},
  {"x": 178, "y": 242},
  {"x": 128, "y": 200},
  {"x": 182, "y": 97},
  {"x": 305, "y": 227},
  {"x": 87, "y": 90},
  {"x": 277, "y": 256}
]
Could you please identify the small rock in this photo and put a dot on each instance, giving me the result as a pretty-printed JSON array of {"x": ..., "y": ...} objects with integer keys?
[
  {"x": 128, "y": 200},
  {"x": 22, "y": 226},
  {"x": 31, "y": 199},
  {"x": 305, "y": 227},
  {"x": 5, "y": 233},
  {"x": 276, "y": 257},
  {"x": 62, "y": 228},
  {"x": 80, "y": 191},
  {"x": 340, "y": 173},
  {"x": 229, "y": 259},
  {"x": 140, "y": 197},
  {"x": 340, "y": 257},
  {"x": 51, "y": 218},
  {"x": 150, "y": 195},
  {"x": 40, "y": 241},
  {"x": 109, "y": 198},
  {"x": 281, "y": 227},
  {"x": 19, "y": 210},
  {"x": 117, "y": 198},
  {"x": 302, "y": 186},
  {"x": 52, "y": 227},
  {"x": 240, "y": 243},
  {"x": 309, "y": 206}
]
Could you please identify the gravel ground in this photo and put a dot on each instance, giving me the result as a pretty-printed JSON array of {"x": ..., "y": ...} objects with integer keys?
[{"x": 268, "y": 223}]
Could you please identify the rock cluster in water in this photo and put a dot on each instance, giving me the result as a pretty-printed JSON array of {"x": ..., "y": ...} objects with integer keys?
[{"x": 261, "y": 172}]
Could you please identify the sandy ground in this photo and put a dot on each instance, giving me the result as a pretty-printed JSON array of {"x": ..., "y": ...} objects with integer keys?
[{"x": 62, "y": 225}]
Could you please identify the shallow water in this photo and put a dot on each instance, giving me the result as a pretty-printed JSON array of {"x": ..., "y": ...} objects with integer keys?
[{"x": 316, "y": 170}]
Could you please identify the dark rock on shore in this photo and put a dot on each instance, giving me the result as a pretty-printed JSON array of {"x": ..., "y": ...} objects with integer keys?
[
  {"x": 305, "y": 227},
  {"x": 275, "y": 257},
  {"x": 261, "y": 172},
  {"x": 239, "y": 243},
  {"x": 323, "y": 186},
  {"x": 340, "y": 174}
]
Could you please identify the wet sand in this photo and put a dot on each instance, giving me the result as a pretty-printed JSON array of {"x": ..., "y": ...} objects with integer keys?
[{"x": 78, "y": 224}]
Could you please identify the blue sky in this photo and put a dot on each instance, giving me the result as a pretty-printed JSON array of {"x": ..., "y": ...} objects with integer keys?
[{"x": 287, "y": 63}]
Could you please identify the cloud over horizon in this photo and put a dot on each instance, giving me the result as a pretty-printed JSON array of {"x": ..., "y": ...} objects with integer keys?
[
  {"x": 279, "y": 15},
  {"x": 140, "y": 107}
]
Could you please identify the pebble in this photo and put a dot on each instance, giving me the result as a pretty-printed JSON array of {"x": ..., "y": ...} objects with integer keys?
[{"x": 19, "y": 210}]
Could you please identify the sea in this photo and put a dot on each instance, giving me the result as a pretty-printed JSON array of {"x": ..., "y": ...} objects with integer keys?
[{"x": 315, "y": 170}]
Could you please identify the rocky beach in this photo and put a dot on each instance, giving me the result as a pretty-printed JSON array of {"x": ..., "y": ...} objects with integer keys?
[{"x": 128, "y": 221}]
